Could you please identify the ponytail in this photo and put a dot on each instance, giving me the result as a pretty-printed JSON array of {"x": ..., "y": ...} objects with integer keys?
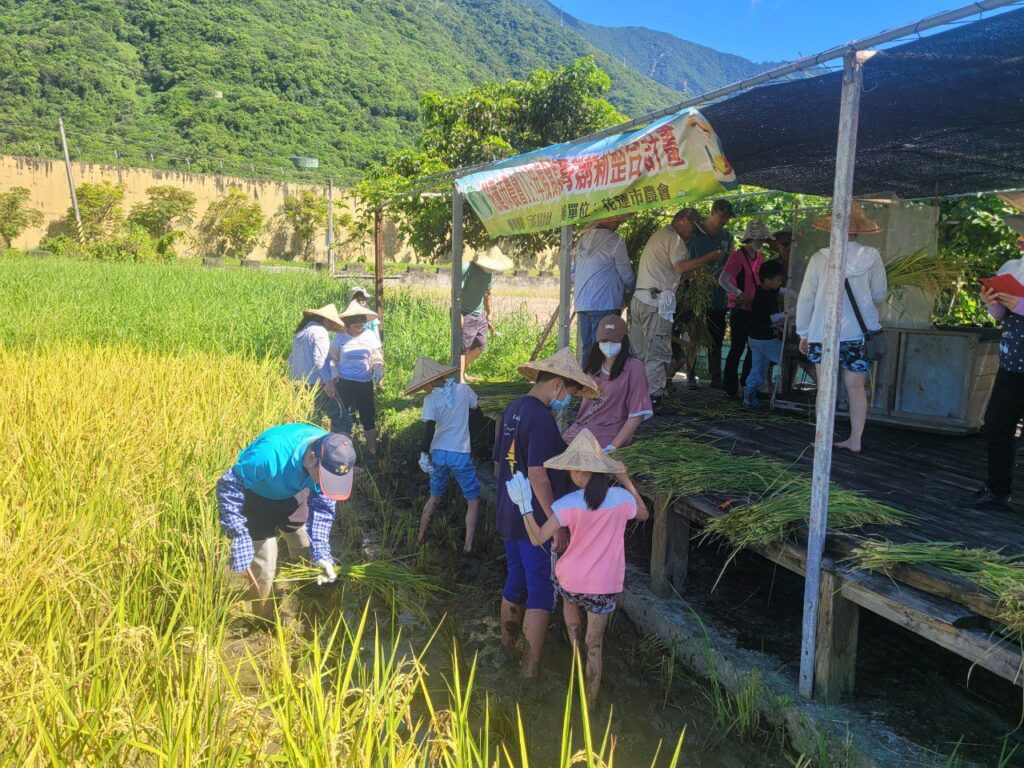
[{"x": 596, "y": 491}]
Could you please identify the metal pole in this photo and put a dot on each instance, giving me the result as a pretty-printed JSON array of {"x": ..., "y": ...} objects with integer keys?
[
  {"x": 330, "y": 227},
  {"x": 825, "y": 406},
  {"x": 457, "y": 200},
  {"x": 564, "y": 286},
  {"x": 71, "y": 178},
  {"x": 378, "y": 265}
]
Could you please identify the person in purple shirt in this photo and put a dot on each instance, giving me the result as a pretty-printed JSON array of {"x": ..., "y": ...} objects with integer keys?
[
  {"x": 526, "y": 436},
  {"x": 1006, "y": 405}
]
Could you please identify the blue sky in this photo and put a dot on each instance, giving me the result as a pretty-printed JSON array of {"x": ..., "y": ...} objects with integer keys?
[{"x": 761, "y": 30}]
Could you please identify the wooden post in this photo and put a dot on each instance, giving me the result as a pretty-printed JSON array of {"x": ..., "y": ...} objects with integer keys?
[
  {"x": 836, "y": 652},
  {"x": 330, "y": 227},
  {"x": 678, "y": 549},
  {"x": 825, "y": 406},
  {"x": 378, "y": 265},
  {"x": 660, "y": 545},
  {"x": 564, "y": 286},
  {"x": 457, "y": 276},
  {"x": 71, "y": 178}
]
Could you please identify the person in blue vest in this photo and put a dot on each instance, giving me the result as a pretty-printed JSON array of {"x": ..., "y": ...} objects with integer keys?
[{"x": 287, "y": 480}]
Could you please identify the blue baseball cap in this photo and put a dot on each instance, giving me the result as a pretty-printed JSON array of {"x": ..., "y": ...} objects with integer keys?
[{"x": 337, "y": 459}]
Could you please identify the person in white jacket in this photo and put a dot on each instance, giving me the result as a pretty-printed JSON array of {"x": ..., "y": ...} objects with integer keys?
[{"x": 866, "y": 275}]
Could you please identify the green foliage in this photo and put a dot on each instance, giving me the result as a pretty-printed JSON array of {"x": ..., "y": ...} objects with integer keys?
[
  {"x": 306, "y": 214},
  {"x": 168, "y": 211},
  {"x": 251, "y": 84},
  {"x": 15, "y": 215},
  {"x": 100, "y": 206},
  {"x": 489, "y": 122},
  {"x": 232, "y": 225}
]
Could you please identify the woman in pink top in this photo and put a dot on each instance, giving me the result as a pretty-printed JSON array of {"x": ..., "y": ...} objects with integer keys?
[
  {"x": 590, "y": 573},
  {"x": 624, "y": 401},
  {"x": 740, "y": 280}
]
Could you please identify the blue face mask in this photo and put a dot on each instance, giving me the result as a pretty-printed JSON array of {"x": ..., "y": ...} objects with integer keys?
[{"x": 559, "y": 405}]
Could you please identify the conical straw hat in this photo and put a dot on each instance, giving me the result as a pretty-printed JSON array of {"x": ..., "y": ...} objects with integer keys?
[
  {"x": 584, "y": 453},
  {"x": 355, "y": 309},
  {"x": 493, "y": 260},
  {"x": 328, "y": 314},
  {"x": 562, "y": 363},
  {"x": 427, "y": 371},
  {"x": 860, "y": 223}
]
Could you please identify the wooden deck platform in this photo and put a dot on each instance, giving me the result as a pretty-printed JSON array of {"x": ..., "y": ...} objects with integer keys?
[{"x": 925, "y": 474}]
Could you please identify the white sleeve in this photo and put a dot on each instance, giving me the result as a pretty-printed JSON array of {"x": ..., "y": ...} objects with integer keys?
[
  {"x": 808, "y": 293},
  {"x": 622, "y": 265},
  {"x": 879, "y": 281},
  {"x": 428, "y": 409},
  {"x": 471, "y": 396}
]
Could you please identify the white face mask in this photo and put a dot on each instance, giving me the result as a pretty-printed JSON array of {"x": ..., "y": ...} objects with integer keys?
[{"x": 610, "y": 348}]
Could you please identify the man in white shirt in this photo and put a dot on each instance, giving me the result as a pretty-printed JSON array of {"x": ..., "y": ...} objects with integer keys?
[
  {"x": 602, "y": 275},
  {"x": 664, "y": 259}
]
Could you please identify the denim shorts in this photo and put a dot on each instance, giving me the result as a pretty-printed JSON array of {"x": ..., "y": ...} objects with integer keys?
[
  {"x": 851, "y": 356},
  {"x": 461, "y": 465},
  {"x": 529, "y": 575}
]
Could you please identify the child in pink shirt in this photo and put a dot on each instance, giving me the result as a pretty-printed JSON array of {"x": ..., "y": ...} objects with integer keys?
[{"x": 591, "y": 571}]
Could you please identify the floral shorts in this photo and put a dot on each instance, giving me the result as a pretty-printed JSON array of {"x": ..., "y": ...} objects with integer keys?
[
  {"x": 851, "y": 356},
  {"x": 599, "y": 604}
]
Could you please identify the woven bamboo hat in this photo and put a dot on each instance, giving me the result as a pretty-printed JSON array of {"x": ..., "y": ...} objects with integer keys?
[
  {"x": 584, "y": 454},
  {"x": 327, "y": 314},
  {"x": 355, "y": 309},
  {"x": 493, "y": 260},
  {"x": 562, "y": 363},
  {"x": 860, "y": 222},
  {"x": 756, "y": 230},
  {"x": 428, "y": 371}
]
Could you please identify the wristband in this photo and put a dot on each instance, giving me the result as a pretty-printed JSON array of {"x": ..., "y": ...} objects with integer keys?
[{"x": 526, "y": 514}]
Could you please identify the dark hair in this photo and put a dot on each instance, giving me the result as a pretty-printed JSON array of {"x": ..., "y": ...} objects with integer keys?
[
  {"x": 304, "y": 322},
  {"x": 593, "y": 362},
  {"x": 543, "y": 376},
  {"x": 596, "y": 490},
  {"x": 690, "y": 214},
  {"x": 771, "y": 269},
  {"x": 722, "y": 206}
]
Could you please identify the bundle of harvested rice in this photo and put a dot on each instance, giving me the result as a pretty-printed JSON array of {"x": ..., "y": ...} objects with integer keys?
[
  {"x": 380, "y": 577},
  {"x": 928, "y": 271},
  {"x": 1000, "y": 575}
]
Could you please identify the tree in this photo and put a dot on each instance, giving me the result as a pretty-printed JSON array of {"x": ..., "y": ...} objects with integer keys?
[
  {"x": 232, "y": 225},
  {"x": 489, "y": 122},
  {"x": 15, "y": 215},
  {"x": 100, "y": 208},
  {"x": 306, "y": 214},
  {"x": 168, "y": 211}
]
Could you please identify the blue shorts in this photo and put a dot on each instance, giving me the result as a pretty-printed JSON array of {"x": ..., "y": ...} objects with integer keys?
[
  {"x": 458, "y": 464},
  {"x": 529, "y": 575},
  {"x": 851, "y": 356}
]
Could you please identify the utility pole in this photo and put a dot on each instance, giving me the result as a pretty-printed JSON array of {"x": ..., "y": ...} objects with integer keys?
[
  {"x": 71, "y": 177},
  {"x": 330, "y": 227}
]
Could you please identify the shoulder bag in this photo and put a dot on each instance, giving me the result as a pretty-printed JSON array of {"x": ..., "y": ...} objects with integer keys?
[{"x": 874, "y": 341}]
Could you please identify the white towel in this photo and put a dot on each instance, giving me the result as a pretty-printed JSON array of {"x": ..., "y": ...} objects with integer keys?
[{"x": 667, "y": 305}]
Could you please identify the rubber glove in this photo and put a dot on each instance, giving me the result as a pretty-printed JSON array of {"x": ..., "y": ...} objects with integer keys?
[
  {"x": 520, "y": 492},
  {"x": 329, "y": 576},
  {"x": 425, "y": 464}
]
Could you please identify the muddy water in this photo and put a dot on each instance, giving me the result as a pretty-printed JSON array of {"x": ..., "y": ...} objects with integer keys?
[{"x": 649, "y": 699}]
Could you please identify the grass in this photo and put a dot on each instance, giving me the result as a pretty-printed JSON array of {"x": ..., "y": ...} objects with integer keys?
[{"x": 128, "y": 390}]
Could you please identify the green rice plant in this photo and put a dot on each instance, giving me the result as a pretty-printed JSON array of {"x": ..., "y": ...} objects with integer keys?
[
  {"x": 394, "y": 583},
  {"x": 1002, "y": 576},
  {"x": 931, "y": 272}
]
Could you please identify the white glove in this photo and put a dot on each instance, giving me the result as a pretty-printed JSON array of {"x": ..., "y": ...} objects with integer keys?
[
  {"x": 609, "y": 448},
  {"x": 520, "y": 492},
  {"x": 377, "y": 373},
  {"x": 329, "y": 576},
  {"x": 425, "y": 464}
]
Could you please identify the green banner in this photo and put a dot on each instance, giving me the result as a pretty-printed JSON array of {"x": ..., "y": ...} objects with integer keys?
[{"x": 670, "y": 163}]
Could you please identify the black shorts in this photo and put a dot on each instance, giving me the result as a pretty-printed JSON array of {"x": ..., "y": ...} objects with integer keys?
[
  {"x": 265, "y": 517},
  {"x": 358, "y": 397}
]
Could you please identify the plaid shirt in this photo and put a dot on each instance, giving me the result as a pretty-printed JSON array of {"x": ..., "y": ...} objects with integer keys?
[{"x": 231, "y": 497}]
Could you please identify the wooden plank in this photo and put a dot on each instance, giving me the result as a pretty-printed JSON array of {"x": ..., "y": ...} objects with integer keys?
[
  {"x": 659, "y": 545},
  {"x": 679, "y": 549},
  {"x": 835, "y": 658}
]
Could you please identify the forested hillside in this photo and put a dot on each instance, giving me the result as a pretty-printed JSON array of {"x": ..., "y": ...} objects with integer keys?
[{"x": 253, "y": 82}]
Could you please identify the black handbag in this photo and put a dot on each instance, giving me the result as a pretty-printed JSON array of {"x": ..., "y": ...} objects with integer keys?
[{"x": 875, "y": 346}]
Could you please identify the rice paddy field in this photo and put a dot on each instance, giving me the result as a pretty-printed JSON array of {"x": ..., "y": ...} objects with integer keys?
[{"x": 128, "y": 390}]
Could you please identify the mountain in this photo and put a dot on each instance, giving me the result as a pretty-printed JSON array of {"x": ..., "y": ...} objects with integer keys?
[{"x": 683, "y": 66}]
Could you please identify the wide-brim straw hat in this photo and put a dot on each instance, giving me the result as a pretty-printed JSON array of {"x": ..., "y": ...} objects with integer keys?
[
  {"x": 584, "y": 454},
  {"x": 327, "y": 314},
  {"x": 860, "y": 222},
  {"x": 355, "y": 309},
  {"x": 562, "y": 363},
  {"x": 493, "y": 260},
  {"x": 756, "y": 230},
  {"x": 427, "y": 371}
]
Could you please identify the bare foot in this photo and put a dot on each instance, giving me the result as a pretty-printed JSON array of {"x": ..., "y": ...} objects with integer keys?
[{"x": 848, "y": 445}]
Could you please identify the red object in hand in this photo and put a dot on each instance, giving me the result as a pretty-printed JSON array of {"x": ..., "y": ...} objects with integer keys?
[
  {"x": 1004, "y": 284},
  {"x": 725, "y": 506}
]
